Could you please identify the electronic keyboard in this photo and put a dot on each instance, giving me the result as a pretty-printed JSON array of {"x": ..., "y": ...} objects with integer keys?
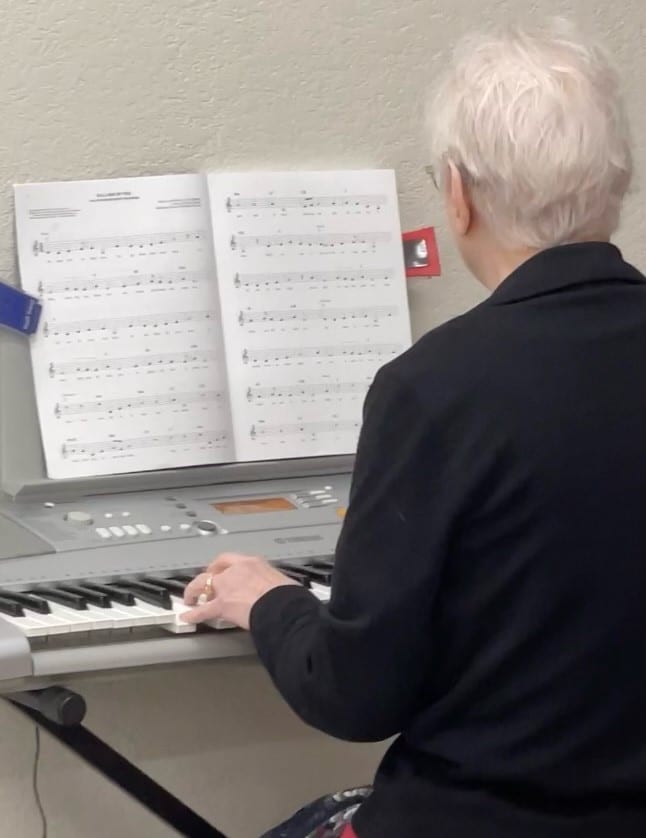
[{"x": 95, "y": 584}]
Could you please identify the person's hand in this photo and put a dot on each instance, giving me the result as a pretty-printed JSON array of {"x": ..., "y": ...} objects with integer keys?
[{"x": 230, "y": 587}]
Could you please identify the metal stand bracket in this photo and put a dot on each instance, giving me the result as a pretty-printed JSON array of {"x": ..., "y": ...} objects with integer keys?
[{"x": 60, "y": 712}]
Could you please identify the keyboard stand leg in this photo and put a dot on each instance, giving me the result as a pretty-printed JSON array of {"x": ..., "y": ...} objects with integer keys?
[{"x": 60, "y": 712}]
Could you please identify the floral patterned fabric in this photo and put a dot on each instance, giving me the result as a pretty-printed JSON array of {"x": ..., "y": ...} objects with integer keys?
[{"x": 326, "y": 817}]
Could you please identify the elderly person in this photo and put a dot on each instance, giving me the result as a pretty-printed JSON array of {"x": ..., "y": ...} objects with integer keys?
[{"x": 489, "y": 596}]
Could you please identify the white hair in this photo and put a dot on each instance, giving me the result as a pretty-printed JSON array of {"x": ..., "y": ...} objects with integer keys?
[{"x": 536, "y": 125}]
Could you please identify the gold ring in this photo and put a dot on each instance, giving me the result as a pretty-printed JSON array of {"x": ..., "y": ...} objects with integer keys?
[{"x": 207, "y": 591}]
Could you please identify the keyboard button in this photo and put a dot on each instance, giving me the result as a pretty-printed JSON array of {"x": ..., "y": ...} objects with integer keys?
[
  {"x": 103, "y": 532},
  {"x": 130, "y": 530},
  {"x": 79, "y": 517},
  {"x": 117, "y": 532},
  {"x": 207, "y": 527},
  {"x": 144, "y": 529}
]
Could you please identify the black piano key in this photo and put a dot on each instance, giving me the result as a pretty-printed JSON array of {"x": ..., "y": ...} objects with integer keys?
[
  {"x": 184, "y": 577},
  {"x": 173, "y": 586},
  {"x": 101, "y": 600},
  {"x": 114, "y": 592},
  {"x": 10, "y": 608},
  {"x": 294, "y": 572},
  {"x": 326, "y": 562},
  {"x": 318, "y": 574},
  {"x": 152, "y": 594},
  {"x": 33, "y": 603},
  {"x": 78, "y": 603}
]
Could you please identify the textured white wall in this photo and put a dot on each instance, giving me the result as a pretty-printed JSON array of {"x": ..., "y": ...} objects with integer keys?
[{"x": 96, "y": 88}]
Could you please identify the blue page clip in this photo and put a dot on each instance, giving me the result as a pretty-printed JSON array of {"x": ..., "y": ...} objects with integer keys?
[{"x": 18, "y": 310}]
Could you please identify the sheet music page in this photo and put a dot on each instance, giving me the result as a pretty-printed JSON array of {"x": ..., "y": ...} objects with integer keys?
[
  {"x": 312, "y": 289},
  {"x": 128, "y": 360}
]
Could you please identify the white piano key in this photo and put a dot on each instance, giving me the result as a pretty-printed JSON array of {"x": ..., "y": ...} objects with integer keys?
[
  {"x": 29, "y": 626},
  {"x": 129, "y": 616},
  {"x": 220, "y": 625},
  {"x": 85, "y": 620},
  {"x": 157, "y": 616},
  {"x": 52, "y": 623},
  {"x": 321, "y": 592},
  {"x": 178, "y": 626}
]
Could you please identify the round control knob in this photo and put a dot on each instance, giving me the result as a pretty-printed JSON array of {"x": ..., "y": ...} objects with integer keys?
[
  {"x": 79, "y": 517},
  {"x": 206, "y": 527}
]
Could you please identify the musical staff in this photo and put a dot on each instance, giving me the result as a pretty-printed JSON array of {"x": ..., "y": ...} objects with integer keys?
[
  {"x": 322, "y": 240},
  {"x": 344, "y": 276},
  {"x": 201, "y": 439},
  {"x": 307, "y": 391},
  {"x": 138, "y": 402},
  {"x": 302, "y": 429},
  {"x": 307, "y": 202},
  {"x": 326, "y": 315},
  {"x": 123, "y": 243},
  {"x": 84, "y": 285},
  {"x": 161, "y": 362},
  {"x": 115, "y": 324},
  {"x": 349, "y": 351}
]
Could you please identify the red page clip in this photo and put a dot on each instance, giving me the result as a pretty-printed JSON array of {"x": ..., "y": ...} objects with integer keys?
[{"x": 421, "y": 255}]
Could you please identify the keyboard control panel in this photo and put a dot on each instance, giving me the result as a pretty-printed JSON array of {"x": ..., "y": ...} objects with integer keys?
[{"x": 188, "y": 513}]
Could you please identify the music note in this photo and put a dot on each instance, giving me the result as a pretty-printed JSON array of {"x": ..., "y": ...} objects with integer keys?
[
  {"x": 201, "y": 439},
  {"x": 306, "y": 391},
  {"x": 302, "y": 429},
  {"x": 161, "y": 362},
  {"x": 311, "y": 240},
  {"x": 287, "y": 202},
  {"x": 138, "y": 402},
  {"x": 116, "y": 324},
  {"x": 125, "y": 243},
  {"x": 175, "y": 281},
  {"x": 352, "y": 316},
  {"x": 345, "y": 277},
  {"x": 349, "y": 352}
]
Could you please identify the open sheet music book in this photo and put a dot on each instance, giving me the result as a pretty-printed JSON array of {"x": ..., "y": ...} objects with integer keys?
[{"x": 191, "y": 319}]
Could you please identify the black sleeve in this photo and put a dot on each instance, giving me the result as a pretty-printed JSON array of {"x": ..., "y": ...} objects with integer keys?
[{"x": 354, "y": 669}]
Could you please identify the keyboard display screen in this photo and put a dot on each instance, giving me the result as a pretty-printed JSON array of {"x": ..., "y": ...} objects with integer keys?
[{"x": 253, "y": 506}]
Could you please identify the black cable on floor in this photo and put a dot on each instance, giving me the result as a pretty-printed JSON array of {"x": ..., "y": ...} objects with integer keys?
[{"x": 37, "y": 798}]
